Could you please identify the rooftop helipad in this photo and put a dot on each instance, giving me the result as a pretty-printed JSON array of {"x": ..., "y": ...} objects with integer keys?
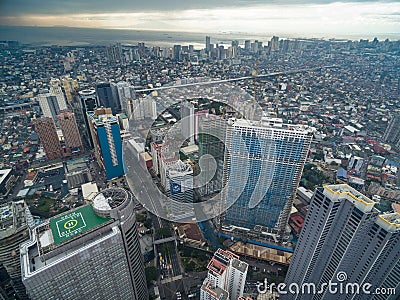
[{"x": 68, "y": 225}]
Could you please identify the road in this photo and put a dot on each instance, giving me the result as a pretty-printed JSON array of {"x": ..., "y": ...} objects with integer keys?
[{"x": 236, "y": 79}]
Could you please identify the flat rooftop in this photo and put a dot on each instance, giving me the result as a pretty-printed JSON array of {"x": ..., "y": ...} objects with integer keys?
[
  {"x": 77, "y": 164},
  {"x": 70, "y": 224},
  {"x": 240, "y": 265},
  {"x": 216, "y": 292},
  {"x": 390, "y": 221},
  {"x": 335, "y": 191},
  {"x": 270, "y": 123},
  {"x": 13, "y": 216},
  {"x": 89, "y": 190}
]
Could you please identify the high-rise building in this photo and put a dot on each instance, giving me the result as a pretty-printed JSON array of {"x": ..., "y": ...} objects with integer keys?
[
  {"x": 87, "y": 102},
  {"x": 114, "y": 53},
  {"x": 15, "y": 222},
  {"x": 392, "y": 132},
  {"x": 345, "y": 239},
  {"x": 91, "y": 252},
  {"x": 6, "y": 289},
  {"x": 70, "y": 86},
  {"x": 274, "y": 43},
  {"x": 51, "y": 104},
  {"x": 156, "y": 156},
  {"x": 55, "y": 86},
  {"x": 48, "y": 136},
  {"x": 125, "y": 91},
  {"x": 106, "y": 97},
  {"x": 254, "y": 46},
  {"x": 177, "y": 52},
  {"x": 263, "y": 165},
  {"x": 247, "y": 45},
  {"x": 72, "y": 137},
  {"x": 226, "y": 277},
  {"x": 107, "y": 141},
  {"x": 180, "y": 188},
  {"x": 187, "y": 121},
  {"x": 141, "y": 108},
  {"x": 211, "y": 139},
  {"x": 208, "y": 44}
]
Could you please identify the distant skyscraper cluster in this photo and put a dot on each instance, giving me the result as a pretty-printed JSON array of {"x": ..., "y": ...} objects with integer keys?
[
  {"x": 275, "y": 45},
  {"x": 226, "y": 277},
  {"x": 345, "y": 239},
  {"x": 114, "y": 54}
]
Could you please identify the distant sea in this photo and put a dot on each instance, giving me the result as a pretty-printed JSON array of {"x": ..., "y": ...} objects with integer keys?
[{"x": 69, "y": 36}]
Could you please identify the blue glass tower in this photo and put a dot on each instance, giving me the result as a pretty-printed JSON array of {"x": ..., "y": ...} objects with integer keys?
[
  {"x": 108, "y": 143},
  {"x": 263, "y": 165}
]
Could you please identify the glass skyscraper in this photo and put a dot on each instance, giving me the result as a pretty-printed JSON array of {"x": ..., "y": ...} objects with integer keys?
[
  {"x": 263, "y": 165},
  {"x": 107, "y": 142},
  {"x": 91, "y": 252},
  {"x": 346, "y": 240}
]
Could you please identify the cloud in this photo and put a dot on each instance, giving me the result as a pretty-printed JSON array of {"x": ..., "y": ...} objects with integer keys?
[
  {"x": 290, "y": 17},
  {"x": 62, "y": 7}
]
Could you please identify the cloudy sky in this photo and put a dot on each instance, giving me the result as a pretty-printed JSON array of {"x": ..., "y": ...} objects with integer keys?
[{"x": 309, "y": 17}]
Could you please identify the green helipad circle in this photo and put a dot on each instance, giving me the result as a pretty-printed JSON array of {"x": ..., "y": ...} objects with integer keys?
[{"x": 70, "y": 224}]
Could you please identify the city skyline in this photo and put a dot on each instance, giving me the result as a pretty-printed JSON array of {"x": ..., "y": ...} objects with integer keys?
[
  {"x": 306, "y": 18},
  {"x": 178, "y": 165}
]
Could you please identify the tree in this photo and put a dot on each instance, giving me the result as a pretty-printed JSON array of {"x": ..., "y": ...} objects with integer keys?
[
  {"x": 164, "y": 232},
  {"x": 148, "y": 222},
  {"x": 141, "y": 217},
  {"x": 151, "y": 274}
]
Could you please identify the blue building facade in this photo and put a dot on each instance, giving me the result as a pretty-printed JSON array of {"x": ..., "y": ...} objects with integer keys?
[
  {"x": 263, "y": 166},
  {"x": 108, "y": 143}
]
